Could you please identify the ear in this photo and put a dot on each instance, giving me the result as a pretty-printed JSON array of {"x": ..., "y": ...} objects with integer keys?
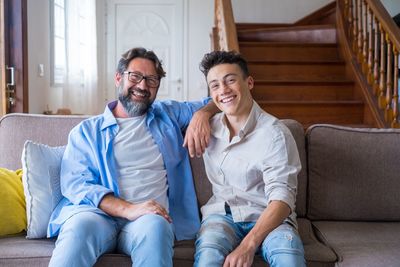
[
  {"x": 250, "y": 82},
  {"x": 117, "y": 79}
]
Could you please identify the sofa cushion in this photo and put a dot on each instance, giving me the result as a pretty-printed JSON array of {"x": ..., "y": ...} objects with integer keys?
[
  {"x": 315, "y": 251},
  {"x": 360, "y": 244},
  {"x": 19, "y": 251},
  {"x": 16, "y": 128},
  {"x": 41, "y": 165},
  {"x": 297, "y": 131},
  {"x": 353, "y": 173},
  {"x": 12, "y": 202}
]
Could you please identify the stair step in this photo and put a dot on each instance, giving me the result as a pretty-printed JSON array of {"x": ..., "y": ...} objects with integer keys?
[
  {"x": 298, "y": 70},
  {"x": 253, "y": 26},
  {"x": 253, "y": 51},
  {"x": 306, "y": 34},
  {"x": 303, "y": 90},
  {"x": 312, "y": 112}
]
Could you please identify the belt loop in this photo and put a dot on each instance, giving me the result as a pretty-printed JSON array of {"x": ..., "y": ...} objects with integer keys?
[{"x": 227, "y": 209}]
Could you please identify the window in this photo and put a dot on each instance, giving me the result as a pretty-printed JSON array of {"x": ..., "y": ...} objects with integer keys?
[
  {"x": 70, "y": 20},
  {"x": 73, "y": 60},
  {"x": 58, "y": 53}
]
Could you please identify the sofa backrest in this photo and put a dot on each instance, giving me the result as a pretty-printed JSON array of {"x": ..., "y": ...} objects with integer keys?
[
  {"x": 16, "y": 128},
  {"x": 203, "y": 186},
  {"x": 354, "y": 174}
]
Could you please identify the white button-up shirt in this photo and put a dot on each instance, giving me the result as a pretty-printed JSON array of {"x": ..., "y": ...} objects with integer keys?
[{"x": 257, "y": 166}]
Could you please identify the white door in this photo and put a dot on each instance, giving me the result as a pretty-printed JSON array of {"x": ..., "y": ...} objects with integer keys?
[{"x": 154, "y": 24}]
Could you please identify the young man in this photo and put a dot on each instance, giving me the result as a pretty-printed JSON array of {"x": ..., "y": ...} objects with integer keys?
[
  {"x": 252, "y": 163},
  {"x": 125, "y": 177}
]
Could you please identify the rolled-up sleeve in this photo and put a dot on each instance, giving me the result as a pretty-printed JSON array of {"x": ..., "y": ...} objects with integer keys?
[{"x": 281, "y": 165}]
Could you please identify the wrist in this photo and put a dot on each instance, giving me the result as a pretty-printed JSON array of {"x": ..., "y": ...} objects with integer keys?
[
  {"x": 126, "y": 209},
  {"x": 250, "y": 243},
  {"x": 204, "y": 112}
]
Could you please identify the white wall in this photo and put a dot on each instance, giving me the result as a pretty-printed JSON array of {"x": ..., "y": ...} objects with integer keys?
[
  {"x": 198, "y": 20},
  {"x": 101, "y": 51},
  {"x": 392, "y": 6},
  {"x": 275, "y": 11},
  {"x": 38, "y": 53}
]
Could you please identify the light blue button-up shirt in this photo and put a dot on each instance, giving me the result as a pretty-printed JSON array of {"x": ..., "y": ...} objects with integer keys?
[{"x": 88, "y": 169}]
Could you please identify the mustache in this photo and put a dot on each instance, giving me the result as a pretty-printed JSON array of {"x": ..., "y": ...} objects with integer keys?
[{"x": 132, "y": 89}]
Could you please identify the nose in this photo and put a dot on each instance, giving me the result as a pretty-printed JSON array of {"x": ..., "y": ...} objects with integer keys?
[
  {"x": 224, "y": 88},
  {"x": 142, "y": 84}
]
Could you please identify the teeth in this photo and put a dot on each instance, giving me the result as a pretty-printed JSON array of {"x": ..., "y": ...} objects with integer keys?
[
  {"x": 138, "y": 94},
  {"x": 226, "y": 100}
]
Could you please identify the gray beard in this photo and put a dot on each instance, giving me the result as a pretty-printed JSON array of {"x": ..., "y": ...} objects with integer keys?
[{"x": 132, "y": 108}]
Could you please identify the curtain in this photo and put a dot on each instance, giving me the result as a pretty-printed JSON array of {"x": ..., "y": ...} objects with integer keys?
[{"x": 80, "y": 92}]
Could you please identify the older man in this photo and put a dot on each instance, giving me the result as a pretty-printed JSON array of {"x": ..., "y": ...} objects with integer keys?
[{"x": 125, "y": 177}]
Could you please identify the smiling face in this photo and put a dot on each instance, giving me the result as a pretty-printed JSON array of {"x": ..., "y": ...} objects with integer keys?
[
  {"x": 135, "y": 97},
  {"x": 230, "y": 90}
]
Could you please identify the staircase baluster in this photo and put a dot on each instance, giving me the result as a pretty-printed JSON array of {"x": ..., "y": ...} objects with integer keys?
[
  {"x": 389, "y": 81},
  {"x": 370, "y": 75},
  {"x": 376, "y": 57},
  {"x": 355, "y": 28},
  {"x": 365, "y": 38},
  {"x": 382, "y": 82},
  {"x": 350, "y": 18},
  {"x": 395, "y": 122},
  {"x": 360, "y": 31}
]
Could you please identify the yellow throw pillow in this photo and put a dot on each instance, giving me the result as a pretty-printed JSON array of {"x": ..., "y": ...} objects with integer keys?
[{"x": 12, "y": 202}]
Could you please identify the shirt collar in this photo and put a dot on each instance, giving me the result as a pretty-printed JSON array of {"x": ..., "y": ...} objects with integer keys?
[
  {"x": 109, "y": 118},
  {"x": 251, "y": 121},
  {"x": 222, "y": 129}
]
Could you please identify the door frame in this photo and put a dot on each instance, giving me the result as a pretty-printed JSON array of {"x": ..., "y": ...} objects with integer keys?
[
  {"x": 15, "y": 50},
  {"x": 3, "y": 103}
]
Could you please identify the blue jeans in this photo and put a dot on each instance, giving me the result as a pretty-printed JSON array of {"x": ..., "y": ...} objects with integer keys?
[
  {"x": 86, "y": 236},
  {"x": 219, "y": 236}
]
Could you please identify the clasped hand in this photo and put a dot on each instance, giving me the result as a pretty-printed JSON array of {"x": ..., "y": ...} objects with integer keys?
[{"x": 147, "y": 207}]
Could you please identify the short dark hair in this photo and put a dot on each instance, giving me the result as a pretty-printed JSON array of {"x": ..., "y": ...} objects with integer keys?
[
  {"x": 215, "y": 58},
  {"x": 140, "y": 52}
]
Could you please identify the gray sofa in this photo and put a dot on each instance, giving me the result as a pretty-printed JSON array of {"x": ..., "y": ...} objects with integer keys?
[{"x": 347, "y": 204}]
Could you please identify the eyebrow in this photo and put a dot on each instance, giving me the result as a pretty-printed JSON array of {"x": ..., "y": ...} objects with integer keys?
[{"x": 223, "y": 78}]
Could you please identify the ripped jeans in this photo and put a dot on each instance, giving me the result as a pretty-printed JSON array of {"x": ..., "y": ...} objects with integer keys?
[{"x": 219, "y": 236}]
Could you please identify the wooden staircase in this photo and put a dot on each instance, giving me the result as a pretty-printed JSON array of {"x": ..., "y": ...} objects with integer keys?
[{"x": 299, "y": 73}]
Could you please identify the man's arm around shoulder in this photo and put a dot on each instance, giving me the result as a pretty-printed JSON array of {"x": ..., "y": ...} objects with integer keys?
[{"x": 198, "y": 132}]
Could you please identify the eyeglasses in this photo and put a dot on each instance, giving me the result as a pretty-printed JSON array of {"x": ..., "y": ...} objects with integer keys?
[{"x": 136, "y": 77}]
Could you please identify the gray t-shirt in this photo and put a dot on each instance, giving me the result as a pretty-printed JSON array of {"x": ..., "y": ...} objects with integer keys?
[{"x": 141, "y": 170}]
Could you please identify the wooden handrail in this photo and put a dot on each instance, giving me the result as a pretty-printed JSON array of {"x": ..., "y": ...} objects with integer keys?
[
  {"x": 375, "y": 43},
  {"x": 224, "y": 35}
]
